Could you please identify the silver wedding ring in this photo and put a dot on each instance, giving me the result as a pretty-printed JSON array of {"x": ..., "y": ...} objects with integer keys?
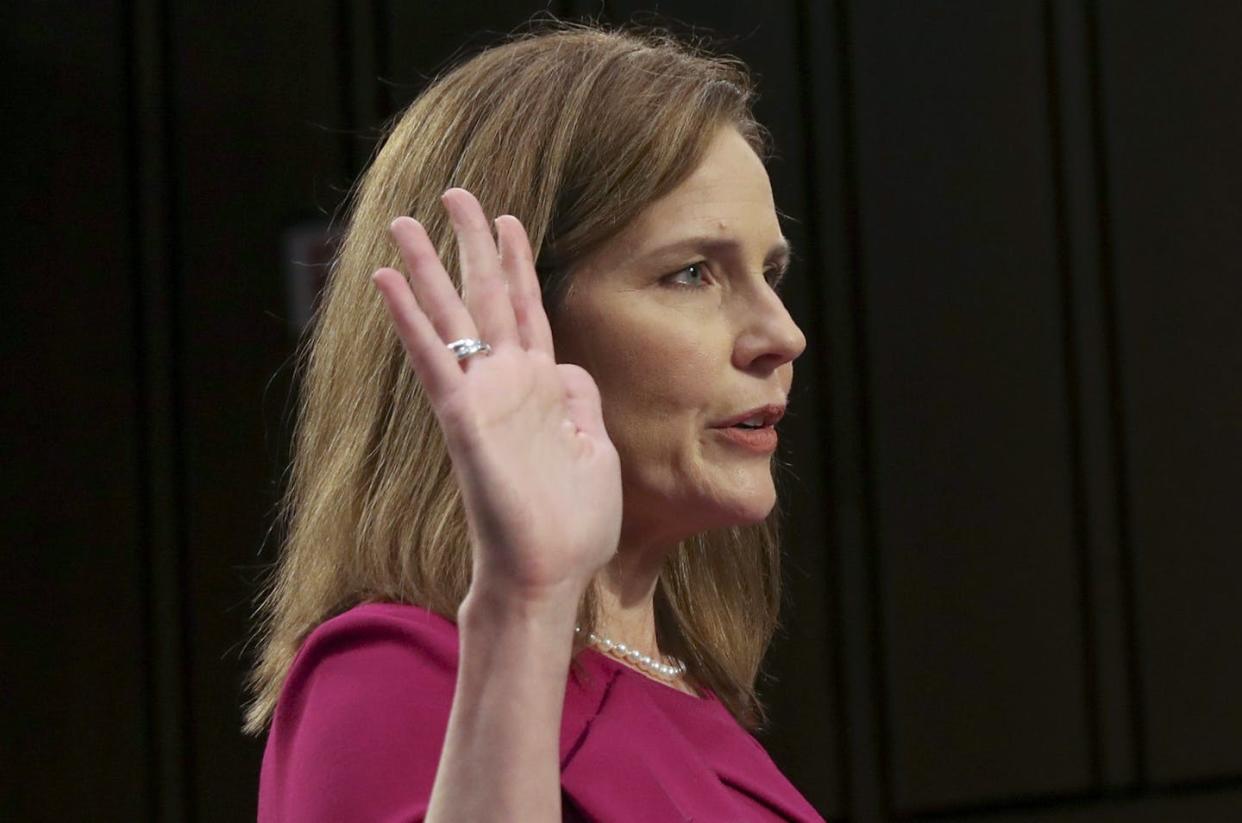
[{"x": 467, "y": 346}]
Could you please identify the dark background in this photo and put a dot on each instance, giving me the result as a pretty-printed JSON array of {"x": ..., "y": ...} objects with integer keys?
[{"x": 1014, "y": 575}]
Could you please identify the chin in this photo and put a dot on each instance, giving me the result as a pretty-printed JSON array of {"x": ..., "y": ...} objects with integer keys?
[
  {"x": 755, "y": 511},
  {"x": 713, "y": 499},
  {"x": 696, "y": 514},
  {"x": 745, "y": 507}
]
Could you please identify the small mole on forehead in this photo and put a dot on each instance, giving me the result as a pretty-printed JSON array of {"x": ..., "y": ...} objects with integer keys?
[{"x": 723, "y": 224}]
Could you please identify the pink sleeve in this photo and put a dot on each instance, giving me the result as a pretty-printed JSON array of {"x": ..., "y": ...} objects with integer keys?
[{"x": 360, "y": 724}]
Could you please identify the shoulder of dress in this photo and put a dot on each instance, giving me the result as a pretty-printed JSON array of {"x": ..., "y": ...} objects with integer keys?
[
  {"x": 387, "y": 634},
  {"x": 361, "y": 717},
  {"x": 413, "y": 618}
]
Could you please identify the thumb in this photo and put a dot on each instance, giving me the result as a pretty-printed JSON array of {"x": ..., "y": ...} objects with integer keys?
[{"x": 582, "y": 400}]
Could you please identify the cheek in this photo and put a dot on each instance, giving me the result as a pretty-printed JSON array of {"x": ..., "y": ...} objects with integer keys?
[{"x": 657, "y": 391}]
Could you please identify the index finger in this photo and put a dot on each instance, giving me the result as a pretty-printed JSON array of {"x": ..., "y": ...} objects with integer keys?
[{"x": 435, "y": 365}]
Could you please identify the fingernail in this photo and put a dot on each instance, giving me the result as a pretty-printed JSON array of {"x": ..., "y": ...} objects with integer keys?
[{"x": 448, "y": 207}]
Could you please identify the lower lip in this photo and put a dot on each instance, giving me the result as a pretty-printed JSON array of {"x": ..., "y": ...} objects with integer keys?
[{"x": 760, "y": 441}]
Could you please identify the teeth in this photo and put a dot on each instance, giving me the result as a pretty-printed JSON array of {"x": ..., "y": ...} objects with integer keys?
[{"x": 757, "y": 420}]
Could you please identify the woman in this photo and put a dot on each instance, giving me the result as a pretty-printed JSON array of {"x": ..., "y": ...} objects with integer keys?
[{"x": 531, "y": 566}]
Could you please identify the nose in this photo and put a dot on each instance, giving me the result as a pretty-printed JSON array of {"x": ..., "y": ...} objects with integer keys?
[{"x": 769, "y": 338}]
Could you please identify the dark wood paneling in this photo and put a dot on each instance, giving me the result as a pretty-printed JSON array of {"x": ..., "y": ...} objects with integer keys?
[
  {"x": 831, "y": 123},
  {"x": 828, "y": 63},
  {"x": 1172, "y": 91},
  {"x": 75, "y": 722},
  {"x": 161, "y": 492},
  {"x": 257, "y": 146},
  {"x": 424, "y": 39},
  {"x": 969, "y": 415},
  {"x": 1209, "y": 806}
]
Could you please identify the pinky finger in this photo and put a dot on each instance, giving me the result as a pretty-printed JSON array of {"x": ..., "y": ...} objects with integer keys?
[
  {"x": 524, "y": 289},
  {"x": 434, "y": 364}
]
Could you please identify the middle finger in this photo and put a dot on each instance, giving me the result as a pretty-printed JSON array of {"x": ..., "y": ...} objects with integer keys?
[{"x": 483, "y": 285}]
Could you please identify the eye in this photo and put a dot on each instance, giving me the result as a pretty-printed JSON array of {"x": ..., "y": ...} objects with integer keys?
[{"x": 695, "y": 280}]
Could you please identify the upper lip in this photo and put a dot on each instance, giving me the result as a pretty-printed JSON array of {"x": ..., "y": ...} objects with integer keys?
[{"x": 769, "y": 414}]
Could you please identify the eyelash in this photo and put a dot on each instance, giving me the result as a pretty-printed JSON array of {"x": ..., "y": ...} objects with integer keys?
[
  {"x": 773, "y": 276},
  {"x": 671, "y": 281}
]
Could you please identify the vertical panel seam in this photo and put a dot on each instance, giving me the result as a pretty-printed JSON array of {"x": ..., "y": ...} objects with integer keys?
[
  {"x": 803, "y": 37},
  {"x": 1070, "y": 352},
  {"x": 177, "y": 353},
  {"x": 152, "y": 777},
  {"x": 869, "y": 537},
  {"x": 1108, "y": 289}
]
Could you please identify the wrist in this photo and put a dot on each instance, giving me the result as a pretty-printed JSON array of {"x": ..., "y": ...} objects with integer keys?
[{"x": 489, "y": 605}]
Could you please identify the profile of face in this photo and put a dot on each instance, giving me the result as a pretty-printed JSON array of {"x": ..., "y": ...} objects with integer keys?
[{"x": 677, "y": 320}]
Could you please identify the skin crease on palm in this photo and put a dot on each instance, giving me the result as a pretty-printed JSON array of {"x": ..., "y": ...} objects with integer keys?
[{"x": 677, "y": 321}]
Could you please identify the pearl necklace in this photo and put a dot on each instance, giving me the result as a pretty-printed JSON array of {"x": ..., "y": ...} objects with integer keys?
[{"x": 634, "y": 656}]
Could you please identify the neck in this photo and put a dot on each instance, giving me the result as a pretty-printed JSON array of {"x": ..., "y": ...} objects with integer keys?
[{"x": 626, "y": 589}]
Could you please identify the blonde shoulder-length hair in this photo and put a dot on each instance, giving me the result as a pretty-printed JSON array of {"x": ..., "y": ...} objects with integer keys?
[{"x": 574, "y": 129}]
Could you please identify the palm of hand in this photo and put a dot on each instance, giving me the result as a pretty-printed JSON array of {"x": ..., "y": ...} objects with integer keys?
[{"x": 540, "y": 478}]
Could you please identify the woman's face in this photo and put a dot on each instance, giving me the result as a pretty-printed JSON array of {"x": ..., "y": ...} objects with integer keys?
[{"x": 677, "y": 321}]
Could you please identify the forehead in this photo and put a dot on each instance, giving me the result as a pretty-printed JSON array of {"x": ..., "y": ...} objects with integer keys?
[{"x": 729, "y": 196}]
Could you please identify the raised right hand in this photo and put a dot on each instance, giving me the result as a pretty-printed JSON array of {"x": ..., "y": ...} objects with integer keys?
[{"x": 540, "y": 480}]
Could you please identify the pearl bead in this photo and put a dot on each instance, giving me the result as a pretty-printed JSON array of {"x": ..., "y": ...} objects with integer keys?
[{"x": 635, "y": 656}]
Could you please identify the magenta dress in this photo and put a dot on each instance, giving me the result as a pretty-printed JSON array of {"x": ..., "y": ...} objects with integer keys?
[{"x": 361, "y": 720}]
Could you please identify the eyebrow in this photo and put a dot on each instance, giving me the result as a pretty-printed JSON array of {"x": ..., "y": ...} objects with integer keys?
[{"x": 778, "y": 255}]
